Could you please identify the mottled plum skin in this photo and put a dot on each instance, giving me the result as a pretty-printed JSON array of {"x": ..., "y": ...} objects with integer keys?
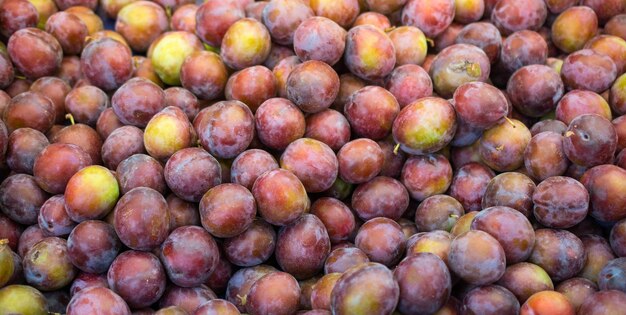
[
  {"x": 511, "y": 228},
  {"x": 137, "y": 101},
  {"x": 604, "y": 302},
  {"x": 341, "y": 259},
  {"x": 252, "y": 86},
  {"x": 241, "y": 281},
  {"x": 483, "y": 35},
  {"x": 469, "y": 185},
  {"x": 204, "y": 74},
  {"x": 328, "y": 126},
  {"x": 141, "y": 33},
  {"x": 502, "y": 147},
  {"x": 281, "y": 71},
  {"x": 480, "y": 105},
  {"x": 523, "y": 48},
  {"x": 53, "y": 219},
  {"x": 187, "y": 299},
  {"x": 564, "y": 210},
  {"x": 142, "y": 219},
  {"x": 511, "y": 16},
  {"x": 17, "y": 15},
  {"x": 547, "y": 302},
  {"x": 490, "y": 300},
  {"x": 612, "y": 276},
  {"x": 382, "y": 240},
  {"x": 121, "y": 144},
  {"x": 616, "y": 26},
  {"x": 56, "y": 90},
  {"x": 380, "y": 197},
  {"x": 227, "y": 210},
  {"x": 605, "y": 186},
  {"x": 28, "y": 238},
  {"x": 69, "y": 30},
  {"x": 191, "y": 172},
  {"x": 246, "y": 43},
  {"x": 249, "y": 165},
  {"x": 253, "y": 246},
  {"x": 140, "y": 170},
  {"x": 372, "y": 18},
  {"x": 189, "y": 255},
  {"x": 577, "y": 290},
  {"x": 360, "y": 160},
  {"x": 410, "y": 45},
  {"x": 182, "y": 212},
  {"x": 47, "y": 266},
  {"x": 83, "y": 136},
  {"x": 409, "y": 83},
  {"x": 424, "y": 282},
  {"x": 302, "y": 247},
  {"x": 312, "y": 86},
  {"x": 458, "y": 64},
  {"x": 107, "y": 122},
  {"x": 477, "y": 257},
  {"x": 587, "y": 70},
  {"x": 277, "y": 53},
  {"x": 11, "y": 231},
  {"x": 560, "y": 253},
  {"x": 590, "y": 140},
  {"x": 138, "y": 277},
  {"x": 30, "y": 110},
  {"x": 213, "y": 20},
  {"x": 275, "y": 293},
  {"x": 85, "y": 281},
  {"x": 371, "y": 112},
  {"x": 21, "y": 198},
  {"x": 363, "y": 43},
  {"x": 97, "y": 300},
  {"x": 425, "y": 126},
  {"x": 183, "y": 99},
  {"x": 431, "y": 18},
  {"x": 322, "y": 290},
  {"x": 618, "y": 238},
  {"x": 434, "y": 242},
  {"x": 319, "y": 38},
  {"x": 348, "y": 84},
  {"x": 534, "y": 90},
  {"x": 106, "y": 63},
  {"x": 167, "y": 132},
  {"x": 426, "y": 175},
  {"x": 56, "y": 164},
  {"x": 525, "y": 279},
  {"x": 393, "y": 161},
  {"x": 225, "y": 129},
  {"x": 279, "y": 122},
  {"x": 599, "y": 254},
  {"x": 379, "y": 297},
  {"x": 218, "y": 280},
  {"x": 34, "y": 53},
  {"x": 512, "y": 190},
  {"x": 573, "y": 27},
  {"x": 280, "y": 196},
  {"x": 86, "y": 103},
  {"x": 313, "y": 162},
  {"x": 544, "y": 156},
  {"x": 216, "y": 306}
]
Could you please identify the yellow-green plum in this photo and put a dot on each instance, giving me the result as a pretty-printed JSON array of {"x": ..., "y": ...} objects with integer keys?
[
  {"x": 410, "y": 44},
  {"x": 425, "y": 126},
  {"x": 7, "y": 266},
  {"x": 246, "y": 43},
  {"x": 22, "y": 299},
  {"x": 45, "y": 8},
  {"x": 168, "y": 52},
  {"x": 91, "y": 193},
  {"x": 47, "y": 265},
  {"x": 167, "y": 132},
  {"x": 370, "y": 53},
  {"x": 141, "y": 23}
]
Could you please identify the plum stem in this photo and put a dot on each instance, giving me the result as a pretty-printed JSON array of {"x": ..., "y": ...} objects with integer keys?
[
  {"x": 71, "y": 118},
  {"x": 389, "y": 29},
  {"x": 242, "y": 299},
  {"x": 510, "y": 121},
  {"x": 4, "y": 241},
  {"x": 21, "y": 77},
  {"x": 569, "y": 134},
  {"x": 396, "y": 148},
  {"x": 430, "y": 42}
]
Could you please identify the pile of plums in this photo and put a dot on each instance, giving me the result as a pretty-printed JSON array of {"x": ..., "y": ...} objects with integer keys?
[{"x": 312, "y": 157}]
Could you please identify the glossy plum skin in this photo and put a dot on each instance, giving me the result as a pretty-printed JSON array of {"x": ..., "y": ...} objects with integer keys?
[
  {"x": 603, "y": 302},
  {"x": 336, "y": 217},
  {"x": 409, "y": 83},
  {"x": 431, "y": 18},
  {"x": 121, "y": 144},
  {"x": 282, "y": 19},
  {"x": 246, "y": 43},
  {"x": 252, "y": 86},
  {"x": 30, "y": 42},
  {"x": 29, "y": 109},
  {"x": 280, "y": 288},
  {"x": 573, "y": 28},
  {"x": 249, "y": 165},
  {"x": 458, "y": 64},
  {"x": 618, "y": 238},
  {"x": 56, "y": 164},
  {"x": 319, "y": 38},
  {"x": 23, "y": 147},
  {"x": 511, "y": 228},
  {"x": 560, "y": 253},
  {"x": 204, "y": 74},
  {"x": 382, "y": 240},
  {"x": 438, "y": 212},
  {"x": 493, "y": 104},
  {"x": 366, "y": 40},
  {"x": 138, "y": 277},
  {"x": 328, "y": 126},
  {"x": 312, "y": 86},
  {"x": 21, "y": 198},
  {"x": 545, "y": 157},
  {"x": 371, "y": 112},
  {"x": 489, "y": 299},
  {"x": 547, "y": 301},
  {"x": 313, "y": 162},
  {"x": 360, "y": 160},
  {"x": 280, "y": 208},
  {"x": 581, "y": 68},
  {"x": 225, "y": 129},
  {"x": 227, "y": 210},
  {"x": 418, "y": 131},
  {"x": 511, "y": 16},
  {"x": 426, "y": 175},
  {"x": 380, "y": 297},
  {"x": 167, "y": 132},
  {"x": 565, "y": 210},
  {"x": 502, "y": 147},
  {"x": 279, "y": 122},
  {"x": 380, "y": 197},
  {"x": 469, "y": 185},
  {"x": 534, "y": 90},
  {"x": 106, "y": 63},
  {"x": 137, "y": 101},
  {"x": 417, "y": 275},
  {"x": 191, "y": 161},
  {"x": 186, "y": 298},
  {"x": 253, "y": 246},
  {"x": 85, "y": 281},
  {"x": 477, "y": 257},
  {"x": 341, "y": 259},
  {"x": 140, "y": 170},
  {"x": 53, "y": 219},
  {"x": 47, "y": 266},
  {"x": 590, "y": 140},
  {"x": 185, "y": 242},
  {"x": 604, "y": 184},
  {"x": 302, "y": 247},
  {"x": 525, "y": 279},
  {"x": 512, "y": 190},
  {"x": 141, "y": 219},
  {"x": 97, "y": 299}
]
